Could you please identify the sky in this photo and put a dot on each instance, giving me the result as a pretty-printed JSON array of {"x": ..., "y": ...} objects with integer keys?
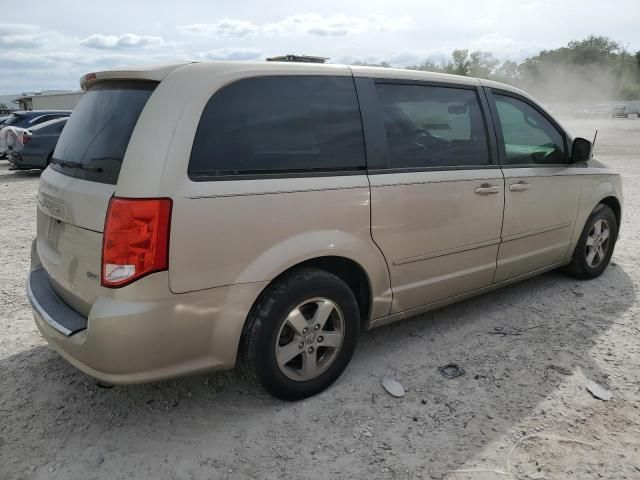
[{"x": 50, "y": 44}]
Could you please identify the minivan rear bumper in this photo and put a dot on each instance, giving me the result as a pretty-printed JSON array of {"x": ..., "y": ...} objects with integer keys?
[{"x": 128, "y": 341}]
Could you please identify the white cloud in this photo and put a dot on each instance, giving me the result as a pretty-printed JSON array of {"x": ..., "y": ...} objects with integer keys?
[
  {"x": 121, "y": 42},
  {"x": 231, "y": 54},
  {"x": 23, "y": 60},
  {"x": 23, "y": 36},
  {"x": 52, "y": 49},
  {"x": 301, "y": 24},
  {"x": 224, "y": 28}
]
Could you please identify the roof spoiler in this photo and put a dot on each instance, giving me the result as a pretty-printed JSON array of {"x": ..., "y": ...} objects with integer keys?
[{"x": 155, "y": 73}]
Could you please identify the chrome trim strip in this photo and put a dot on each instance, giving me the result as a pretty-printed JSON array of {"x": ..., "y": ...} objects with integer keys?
[
  {"x": 529, "y": 233},
  {"x": 448, "y": 251},
  {"x": 42, "y": 312},
  {"x": 275, "y": 192}
]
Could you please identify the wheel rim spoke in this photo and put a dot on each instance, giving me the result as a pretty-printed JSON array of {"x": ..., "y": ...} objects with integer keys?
[
  {"x": 288, "y": 352},
  {"x": 310, "y": 364},
  {"x": 597, "y": 227},
  {"x": 297, "y": 321},
  {"x": 605, "y": 234},
  {"x": 323, "y": 312},
  {"x": 331, "y": 339},
  {"x": 591, "y": 241},
  {"x": 590, "y": 256}
]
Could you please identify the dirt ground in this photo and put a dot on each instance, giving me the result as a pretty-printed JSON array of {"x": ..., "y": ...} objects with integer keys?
[{"x": 521, "y": 408}]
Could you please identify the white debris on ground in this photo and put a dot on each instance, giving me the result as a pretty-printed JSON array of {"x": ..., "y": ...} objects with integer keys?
[
  {"x": 394, "y": 388},
  {"x": 55, "y": 423},
  {"x": 599, "y": 391}
]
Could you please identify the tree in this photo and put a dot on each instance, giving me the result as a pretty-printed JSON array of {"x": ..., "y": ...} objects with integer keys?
[
  {"x": 595, "y": 68},
  {"x": 482, "y": 64},
  {"x": 365, "y": 64},
  {"x": 460, "y": 65},
  {"x": 508, "y": 72},
  {"x": 592, "y": 49},
  {"x": 427, "y": 66},
  {"x": 474, "y": 64}
]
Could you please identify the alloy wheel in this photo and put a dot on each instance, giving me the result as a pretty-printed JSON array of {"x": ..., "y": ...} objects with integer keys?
[
  {"x": 597, "y": 243},
  {"x": 309, "y": 339}
]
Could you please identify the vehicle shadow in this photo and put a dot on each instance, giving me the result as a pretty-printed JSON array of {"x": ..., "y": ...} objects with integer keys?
[
  {"x": 11, "y": 176},
  {"x": 518, "y": 345}
]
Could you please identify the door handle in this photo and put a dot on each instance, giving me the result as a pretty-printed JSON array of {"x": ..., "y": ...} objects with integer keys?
[
  {"x": 487, "y": 189},
  {"x": 519, "y": 187}
]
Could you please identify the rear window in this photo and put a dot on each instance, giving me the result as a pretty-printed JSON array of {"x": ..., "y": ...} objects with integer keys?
[
  {"x": 52, "y": 126},
  {"x": 96, "y": 136},
  {"x": 13, "y": 118},
  {"x": 279, "y": 125}
]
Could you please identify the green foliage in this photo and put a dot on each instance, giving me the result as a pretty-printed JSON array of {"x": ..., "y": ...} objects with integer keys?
[
  {"x": 365, "y": 64},
  {"x": 595, "y": 68},
  {"x": 630, "y": 91}
]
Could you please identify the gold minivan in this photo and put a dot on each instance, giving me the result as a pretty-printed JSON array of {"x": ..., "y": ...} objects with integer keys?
[{"x": 199, "y": 215}]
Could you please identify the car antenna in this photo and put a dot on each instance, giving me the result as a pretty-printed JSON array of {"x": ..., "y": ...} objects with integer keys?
[{"x": 593, "y": 144}]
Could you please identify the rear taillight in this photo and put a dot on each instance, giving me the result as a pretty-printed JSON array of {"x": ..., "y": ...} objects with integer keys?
[
  {"x": 24, "y": 139},
  {"x": 136, "y": 239}
]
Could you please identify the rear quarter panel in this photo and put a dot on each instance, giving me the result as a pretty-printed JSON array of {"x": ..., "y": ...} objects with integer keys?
[
  {"x": 234, "y": 237},
  {"x": 243, "y": 231}
]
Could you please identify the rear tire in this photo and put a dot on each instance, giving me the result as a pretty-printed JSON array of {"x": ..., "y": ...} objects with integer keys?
[
  {"x": 595, "y": 247},
  {"x": 301, "y": 334}
]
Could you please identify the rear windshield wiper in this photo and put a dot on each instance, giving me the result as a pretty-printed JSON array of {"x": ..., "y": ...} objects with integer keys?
[{"x": 77, "y": 165}]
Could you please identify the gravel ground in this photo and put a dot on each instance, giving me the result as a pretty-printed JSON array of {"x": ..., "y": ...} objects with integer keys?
[{"x": 522, "y": 407}]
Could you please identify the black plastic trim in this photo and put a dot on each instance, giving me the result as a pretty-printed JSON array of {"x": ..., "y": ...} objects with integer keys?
[
  {"x": 276, "y": 175},
  {"x": 423, "y": 83},
  {"x": 51, "y": 307},
  {"x": 433, "y": 169},
  {"x": 375, "y": 135}
]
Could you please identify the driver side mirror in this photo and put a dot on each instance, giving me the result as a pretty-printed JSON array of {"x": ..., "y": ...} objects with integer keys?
[{"x": 581, "y": 150}]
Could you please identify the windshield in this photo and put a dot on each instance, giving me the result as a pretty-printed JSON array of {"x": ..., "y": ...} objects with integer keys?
[{"x": 95, "y": 138}]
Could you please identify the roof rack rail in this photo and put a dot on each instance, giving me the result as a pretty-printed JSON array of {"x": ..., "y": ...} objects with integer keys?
[{"x": 298, "y": 58}]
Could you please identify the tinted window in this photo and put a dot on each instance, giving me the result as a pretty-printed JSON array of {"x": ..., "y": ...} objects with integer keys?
[
  {"x": 95, "y": 138},
  {"x": 52, "y": 126},
  {"x": 13, "y": 119},
  {"x": 278, "y": 125},
  {"x": 59, "y": 126},
  {"x": 41, "y": 119},
  {"x": 433, "y": 126},
  {"x": 529, "y": 138}
]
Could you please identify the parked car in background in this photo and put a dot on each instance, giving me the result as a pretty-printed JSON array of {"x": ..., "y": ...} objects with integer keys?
[
  {"x": 33, "y": 148},
  {"x": 3, "y": 119},
  {"x": 27, "y": 119},
  {"x": 600, "y": 110},
  {"x": 284, "y": 208},
  {"x": 620, "y": 111},
  {"x": 581, "y": 113}
]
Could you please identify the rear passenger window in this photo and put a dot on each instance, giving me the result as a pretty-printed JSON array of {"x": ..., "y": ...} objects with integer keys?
[
  {"x": 280, "y": 124},
  {"x": 433, "y": 126},
  {"x": 529, "y": 138}
]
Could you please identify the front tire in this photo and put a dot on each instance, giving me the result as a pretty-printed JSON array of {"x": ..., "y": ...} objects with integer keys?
[
  {"x": 301, "y": 333},
  {"x": 595, "y": 247}
]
